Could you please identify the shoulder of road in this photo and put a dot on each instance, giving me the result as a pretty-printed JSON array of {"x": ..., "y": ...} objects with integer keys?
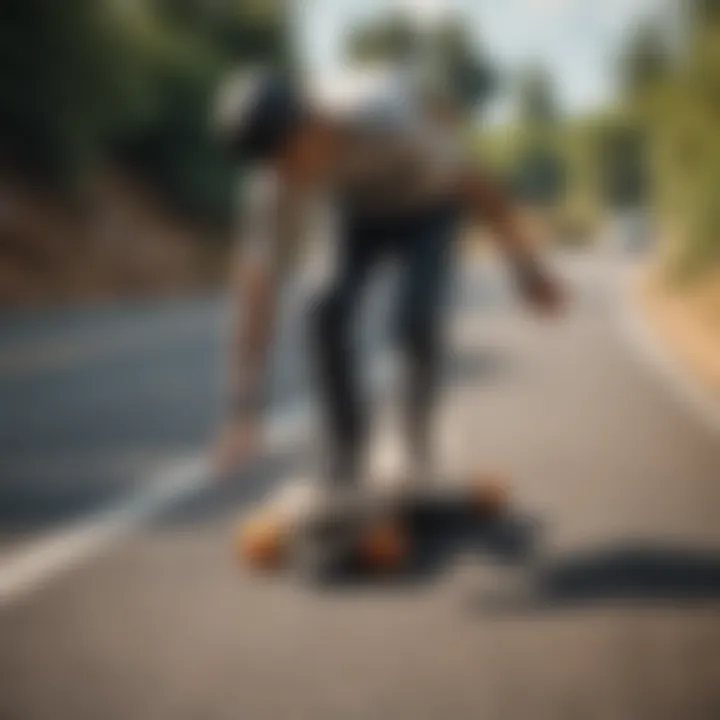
[{"x": 686, "y": 320}]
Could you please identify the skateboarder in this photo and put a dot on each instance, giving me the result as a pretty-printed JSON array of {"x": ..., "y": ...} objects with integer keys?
[{"x": 386, "y": 157}]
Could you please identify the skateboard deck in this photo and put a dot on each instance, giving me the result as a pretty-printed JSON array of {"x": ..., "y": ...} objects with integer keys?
[{"x": 371, "y": 529}]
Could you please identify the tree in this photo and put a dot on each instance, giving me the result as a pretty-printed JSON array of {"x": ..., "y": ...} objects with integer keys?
[
  {"x": 466, "y": 69},
  {"x": 66, "y": 83},
  {"x": 646, "y": 61},
  {"x": 622, "y": 155},
  {"x": 446, "y": 52},
  {"x": 703, "y": 12},
  {"x": 540, "y": 177},
  {"x": 83, "y": 80},
  {"x": 676, "y": 103},
  {"x": 185, "y": 48},
  {"x": 537, "y": 102},
  {"x": 391, "y": 39}
]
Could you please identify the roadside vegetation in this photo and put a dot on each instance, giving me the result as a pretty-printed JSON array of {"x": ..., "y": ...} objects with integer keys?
[{"x": 105, "y": 108}]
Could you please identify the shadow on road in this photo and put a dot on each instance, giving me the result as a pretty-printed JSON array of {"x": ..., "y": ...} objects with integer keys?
[
  {"x": 438, "y": 546},
  {"x": 631, "y": 573},
  {"x": 439, "y": 542}
]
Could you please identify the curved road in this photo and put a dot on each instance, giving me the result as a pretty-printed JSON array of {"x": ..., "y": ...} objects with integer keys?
[{"x": 598, "y": 599}]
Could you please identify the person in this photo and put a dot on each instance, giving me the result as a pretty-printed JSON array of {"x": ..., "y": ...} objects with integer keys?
[{"x": 386, "y": 155}]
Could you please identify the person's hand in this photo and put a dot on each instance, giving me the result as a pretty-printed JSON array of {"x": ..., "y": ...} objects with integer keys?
[
  {"x": 546, "y": 295},
  {"x": 540, "y": 289},
  {"x": 239, "y": 440}
]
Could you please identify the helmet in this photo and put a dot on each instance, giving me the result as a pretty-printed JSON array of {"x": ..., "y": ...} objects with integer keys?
[{"x": 256, "y": 113}]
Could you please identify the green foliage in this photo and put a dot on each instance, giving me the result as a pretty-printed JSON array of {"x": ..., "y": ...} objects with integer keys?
[
  {"x": 64, "y": 91},
  {"x": 392, "y": 39},
  {"x": 446, "y": 51},
  {"x": 646, "y": 62},
  {"x": 538, "y": 105},
  {"x": 622, "y": 152},
  {"x": 469, "y": 74},
  {"x": 658, "y": 148},
  {"x": 541, "y": 173},
  {"x": 86, "y": 79},
  {"x": 704, "y": 11},
  {"x": 682, "y": 120}
]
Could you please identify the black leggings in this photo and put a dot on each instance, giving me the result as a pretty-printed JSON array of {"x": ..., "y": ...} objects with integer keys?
[{"x": 422, "y": 245}]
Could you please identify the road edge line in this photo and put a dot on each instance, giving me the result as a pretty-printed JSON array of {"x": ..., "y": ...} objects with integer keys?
[{"x": 36, "y": 562}]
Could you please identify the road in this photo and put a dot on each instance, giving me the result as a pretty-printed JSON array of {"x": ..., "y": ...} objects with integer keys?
[{"x": 607, "y": 609}]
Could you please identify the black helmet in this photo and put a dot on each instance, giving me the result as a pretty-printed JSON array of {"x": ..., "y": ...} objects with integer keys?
[{"x": 256, "y": 114}]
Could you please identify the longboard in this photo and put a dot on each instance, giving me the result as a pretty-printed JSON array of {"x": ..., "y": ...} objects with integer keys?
[{"x": 371, "y": 529}]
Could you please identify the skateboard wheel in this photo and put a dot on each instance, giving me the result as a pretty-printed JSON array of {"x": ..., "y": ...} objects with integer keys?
[
  {"x": 261, "y": 542},
  {"x": 384, "y": 548},
  {"x": 489, "y": 497}
]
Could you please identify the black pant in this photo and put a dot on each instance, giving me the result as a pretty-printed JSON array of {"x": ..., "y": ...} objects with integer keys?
[{"x": 421, "y": 244}]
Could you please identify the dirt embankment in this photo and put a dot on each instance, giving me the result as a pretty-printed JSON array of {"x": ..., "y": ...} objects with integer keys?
[
  {"x": 122, "y": 242},
  {"x": 688, "y": 320}
]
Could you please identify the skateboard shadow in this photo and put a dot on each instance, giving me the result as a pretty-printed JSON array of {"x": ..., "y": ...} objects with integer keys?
[
  {"x": 631, "y": 573},
  {"x": 510, "y": 539}
]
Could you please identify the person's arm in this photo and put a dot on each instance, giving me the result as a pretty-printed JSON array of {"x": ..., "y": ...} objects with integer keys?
[
  {"x": 259, "y": 264},
  {"x": 486, "y": 199},
  {"x": 255, "y": 291}
]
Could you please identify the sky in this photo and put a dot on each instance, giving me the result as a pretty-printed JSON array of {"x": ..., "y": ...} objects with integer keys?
[{"x": 578, "y": 41}]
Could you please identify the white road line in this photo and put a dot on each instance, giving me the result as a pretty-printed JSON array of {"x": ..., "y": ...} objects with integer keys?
[
  {"x": 36, "y": 562},
  {"x": 33, "y": 564},
  {"x": 29, "y": 567},
  {"x": 649, "y": 350}
]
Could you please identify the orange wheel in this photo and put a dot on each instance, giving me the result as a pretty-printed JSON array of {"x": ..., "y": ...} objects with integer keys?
[
  {"x": 385, "y": 547},
  {"x": 261, "y": 541},
  {"x": 489, "y": 496}
]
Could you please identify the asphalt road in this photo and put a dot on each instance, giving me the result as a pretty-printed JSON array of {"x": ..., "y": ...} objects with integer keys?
[{"x": 598, "y": 598}]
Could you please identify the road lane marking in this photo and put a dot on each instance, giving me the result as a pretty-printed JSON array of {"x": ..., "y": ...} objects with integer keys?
[
  {"x": 36, "y": 562},
  {"x": 29, "y": 567}
]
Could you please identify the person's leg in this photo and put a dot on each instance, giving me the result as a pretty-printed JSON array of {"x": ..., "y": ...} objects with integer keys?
[
  {"x": 425, "y": 257},
  {"x": 333, "y": 333}
]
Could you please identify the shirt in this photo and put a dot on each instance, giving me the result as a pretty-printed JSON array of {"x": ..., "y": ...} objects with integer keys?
[{"x": 399, "y": 156}]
